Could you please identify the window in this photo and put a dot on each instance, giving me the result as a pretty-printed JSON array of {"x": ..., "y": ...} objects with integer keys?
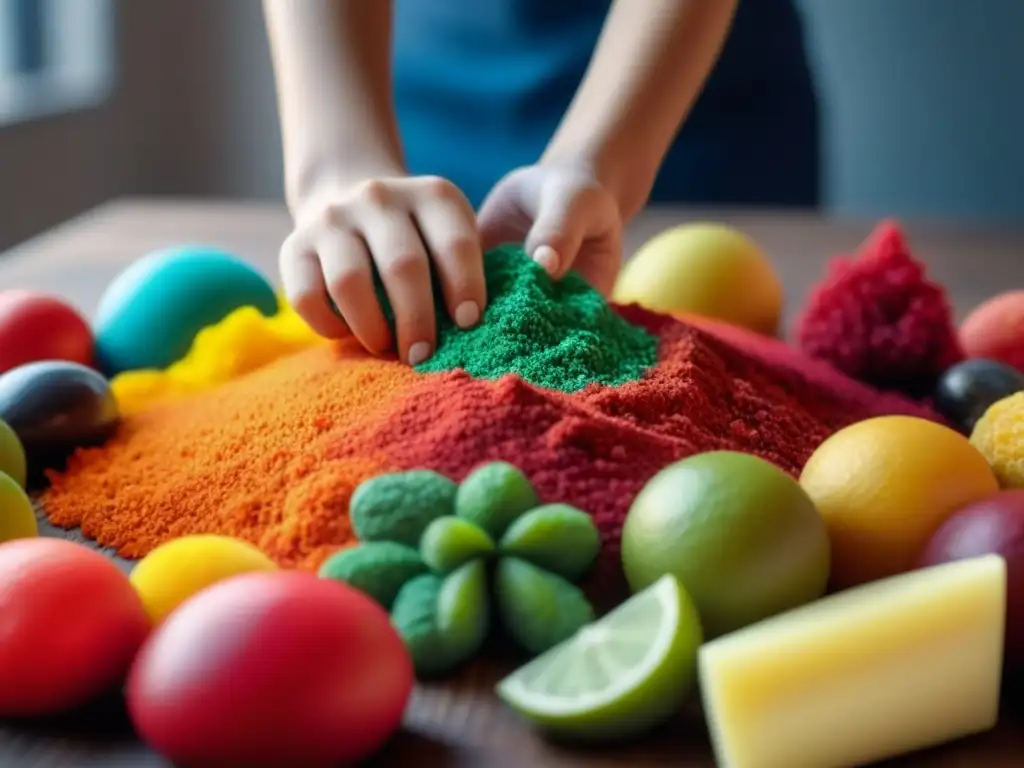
[{"x": 55, "y": 56}]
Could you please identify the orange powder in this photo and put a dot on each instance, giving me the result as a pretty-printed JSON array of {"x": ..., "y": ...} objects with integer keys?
[{"x": 246, "y": 459}]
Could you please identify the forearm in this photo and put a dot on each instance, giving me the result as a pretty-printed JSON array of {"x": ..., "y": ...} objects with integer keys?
[
  {"x": 333, "y": 75},
  {"x": 647, "y": 70}
]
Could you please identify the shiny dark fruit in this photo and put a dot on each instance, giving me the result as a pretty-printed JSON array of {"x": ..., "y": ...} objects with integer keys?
[
  {"x": 55, "y": 407},
  {"x": 994, "y": 525},
  {"x": 966, "y": 390}
]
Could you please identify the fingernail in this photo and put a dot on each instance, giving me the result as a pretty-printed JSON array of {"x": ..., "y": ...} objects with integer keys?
[
  {"x": 467, "y": 314},
  {"x": 418, "y": 352},
  {"x": 547, "y": 257}
]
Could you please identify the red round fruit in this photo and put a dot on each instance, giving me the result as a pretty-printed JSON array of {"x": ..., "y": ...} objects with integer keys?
[
  {"x": 72, "y": 623},
  {"x": 994, "y": 329},
  {"x": 994, "y": 525},
  {"x": 36, "y": 326},
  {"x": 272, "y": 668}
]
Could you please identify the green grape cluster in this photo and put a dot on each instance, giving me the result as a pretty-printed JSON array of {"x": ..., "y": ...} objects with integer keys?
[{"x": 452, "y": 561}]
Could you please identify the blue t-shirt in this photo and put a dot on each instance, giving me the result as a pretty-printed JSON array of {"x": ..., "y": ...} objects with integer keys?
[{"x": 480, "y": 87}]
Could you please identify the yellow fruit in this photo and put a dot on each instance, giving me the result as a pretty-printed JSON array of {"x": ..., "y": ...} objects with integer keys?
[
  {"x": 17, "y": 516},
  {"x": 12, "y": 455},
  {"x": 884, "y": 485},
  {"x": 999, "y": 435},
  {"x": 175, "y": 571},
  {"x": 704, "y": 269}
]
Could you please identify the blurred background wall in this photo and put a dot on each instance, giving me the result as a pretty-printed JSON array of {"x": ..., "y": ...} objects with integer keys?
[
  {"x": 923, "y": 101},
  {"x": 924, "y": 105}
]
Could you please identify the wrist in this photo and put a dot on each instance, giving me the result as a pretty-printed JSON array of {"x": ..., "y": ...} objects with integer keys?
[
  {"x": 331, "y": 177},
  {"x": 625, "y": 175}
]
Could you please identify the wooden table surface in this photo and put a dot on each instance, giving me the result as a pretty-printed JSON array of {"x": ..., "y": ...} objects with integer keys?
[{"x": 460, "y": 723}]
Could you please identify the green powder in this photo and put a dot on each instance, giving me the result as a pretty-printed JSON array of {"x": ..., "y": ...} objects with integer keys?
[{"x": 558, "y": 335}]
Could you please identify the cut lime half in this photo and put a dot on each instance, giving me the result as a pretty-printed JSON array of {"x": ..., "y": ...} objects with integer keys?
[{"x": 618, "y": 677}]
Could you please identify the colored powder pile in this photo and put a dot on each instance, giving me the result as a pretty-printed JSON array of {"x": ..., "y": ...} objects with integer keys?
[
  {"x": 272, "y": 457},
  {"x": 558, "y": 335},
  {"x": 242, "y": 342},
  {"x": 878, "y": 318}
]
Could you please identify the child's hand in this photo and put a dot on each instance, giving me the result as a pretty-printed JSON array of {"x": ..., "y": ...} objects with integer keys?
[
  {"x": 564, "y": 217},
  {"x": 398, "y": 224}
]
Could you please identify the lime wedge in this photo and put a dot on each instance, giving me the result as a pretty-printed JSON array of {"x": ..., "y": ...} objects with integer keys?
[{"x": 617, "y": 677}]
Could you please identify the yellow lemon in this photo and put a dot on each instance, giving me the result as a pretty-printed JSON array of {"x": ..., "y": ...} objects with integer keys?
[
  {"x": 175, "y": 571},
  {"x": 17, "y": 516},
  {"x": 884, "y": 485},
  {"x": 704, "y": 269},
  {"x": 999, "y": 435}
]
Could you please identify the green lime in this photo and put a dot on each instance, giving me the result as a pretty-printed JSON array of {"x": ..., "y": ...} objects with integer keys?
[
  {"x": 377, "y": 568},
  {"x": 450, "y": 542},
  {"x": 12, "y": 455},
  {"x": 493, "y": 495},
  {"x": 538, "y": 609},
  {"x": 17, "y": 515},
  {"x": 618, "y": 677},
  {"x": 462, "y": 613},
  {"x": 399, "y": 506},
  {"x": 739, "y": 533},
  {"x": 556, "y": 537}
]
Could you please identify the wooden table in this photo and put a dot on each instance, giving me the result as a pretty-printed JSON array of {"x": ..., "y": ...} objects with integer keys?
[{"x": 460, "y": 723}]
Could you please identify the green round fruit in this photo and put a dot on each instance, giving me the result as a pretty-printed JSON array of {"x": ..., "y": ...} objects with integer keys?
[
  {"x": 12, "y": 455},
  {"x": 17, "y": 515},
  {"x": 414, "y": 617},
  {"x": 739, "y": 533},
  {"x": 443, "y": 621},
  {"x": 377, "y": 568},
  {"x": 556, "y": 537},
  {"x": 538, "y": 609},
  {"x": 399, "y": 506},
  {"x": 450, "y": 542},
  {"x": 493, "y": 495},
  {"x": 463, "y": 616}
]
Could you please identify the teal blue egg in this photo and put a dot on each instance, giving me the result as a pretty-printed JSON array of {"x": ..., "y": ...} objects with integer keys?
[{"x": 152, "y": 310}]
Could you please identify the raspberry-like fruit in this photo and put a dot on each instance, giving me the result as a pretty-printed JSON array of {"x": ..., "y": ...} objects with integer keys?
[{"x": 879, "y": 319}]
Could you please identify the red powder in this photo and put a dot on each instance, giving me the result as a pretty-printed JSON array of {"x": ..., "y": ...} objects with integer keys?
[{"x": 597, "y": 448}]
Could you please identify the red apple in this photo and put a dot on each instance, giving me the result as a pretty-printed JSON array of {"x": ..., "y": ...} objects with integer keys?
[
  {"x": 272, "y": 668},
  {"x": 71, "y": 625},
  {"x": 36, "y": 326},
  {"x": 993, "y": 525}
]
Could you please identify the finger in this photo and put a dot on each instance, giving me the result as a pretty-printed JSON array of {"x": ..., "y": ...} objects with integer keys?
[
  {"x": 561, "y": 226},
  {"x": 448, "y": 226},
  {"x": 304, "y": 287},
  {"x": 401, "y": 259},
  {"x": 348, "y": 274}
]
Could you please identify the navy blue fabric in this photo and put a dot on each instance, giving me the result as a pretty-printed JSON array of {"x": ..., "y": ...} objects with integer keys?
[{"x": 480, "y": 86}]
